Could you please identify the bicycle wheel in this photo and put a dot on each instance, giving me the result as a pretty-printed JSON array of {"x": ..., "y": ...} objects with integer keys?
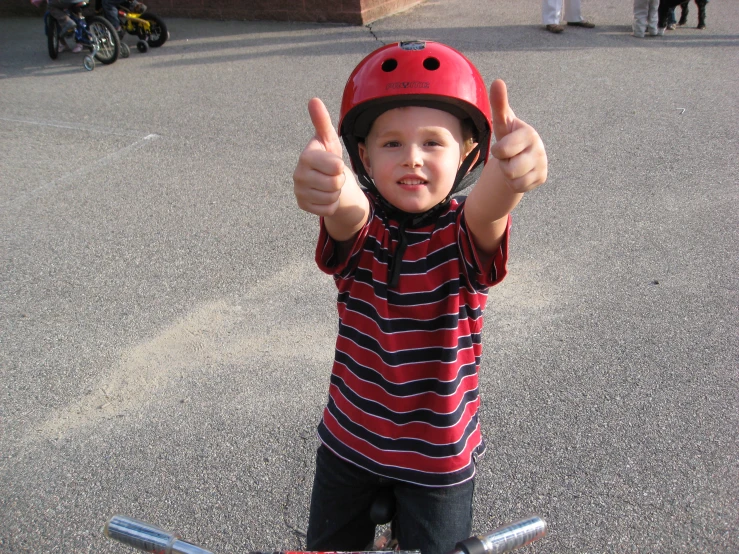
[
  {"x": 158, "y": 33},
  {"x": 108, "y": 42},
  {"x": 52, "y": 36}
]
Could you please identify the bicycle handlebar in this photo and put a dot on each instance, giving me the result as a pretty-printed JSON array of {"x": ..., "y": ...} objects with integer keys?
[
  {"x": 506, "y": 538},
  {"x": 149, "y": 538}
]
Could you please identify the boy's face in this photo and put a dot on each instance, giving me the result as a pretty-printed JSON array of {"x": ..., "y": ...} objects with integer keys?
[{"x": 413, "y": 154}]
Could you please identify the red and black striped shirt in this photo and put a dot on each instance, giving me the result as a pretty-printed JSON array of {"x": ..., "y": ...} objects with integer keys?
[{"x": 403, "y": 399}]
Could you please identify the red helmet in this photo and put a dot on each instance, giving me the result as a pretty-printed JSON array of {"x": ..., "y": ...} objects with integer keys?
[{"x": 415, "y": 73}]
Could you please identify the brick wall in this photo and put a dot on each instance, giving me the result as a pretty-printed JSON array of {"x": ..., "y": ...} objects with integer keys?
[{"x": 353, "y": 12}]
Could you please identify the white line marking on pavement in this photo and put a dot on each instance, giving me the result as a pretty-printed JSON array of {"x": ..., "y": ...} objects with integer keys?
[
  {"x": 73, "y": 126},
  {"x": 38, "y": 191}
]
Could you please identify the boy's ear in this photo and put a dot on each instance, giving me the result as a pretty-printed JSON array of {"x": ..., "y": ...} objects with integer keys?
[
  {"x": 468, "y": 147},
  {"x": 364, "y": 156}
]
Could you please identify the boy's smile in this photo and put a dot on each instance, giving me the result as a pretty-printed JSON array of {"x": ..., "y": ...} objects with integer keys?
[{"x": 413, "y": 154}]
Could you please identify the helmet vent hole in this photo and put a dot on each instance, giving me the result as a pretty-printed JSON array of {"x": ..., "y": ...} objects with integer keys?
[
  {"x": 432, "y": 64},
  {"x": 389, "y": 65}
]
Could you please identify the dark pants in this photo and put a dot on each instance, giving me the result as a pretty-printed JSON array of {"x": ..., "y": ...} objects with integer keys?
[
  {"x": 701, "y": 12},
  {"x": 110, "y": 11},
  {"x": 429, "y": 519},
  {"x": 57, "y": 9},
  {"x": 668, "y": 6}
]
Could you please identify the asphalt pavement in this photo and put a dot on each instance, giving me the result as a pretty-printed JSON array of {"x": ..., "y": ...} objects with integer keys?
[{"x": 166, "y": 338}]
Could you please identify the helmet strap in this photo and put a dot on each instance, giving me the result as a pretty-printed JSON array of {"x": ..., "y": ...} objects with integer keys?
[{"x": 466, "y": 177}]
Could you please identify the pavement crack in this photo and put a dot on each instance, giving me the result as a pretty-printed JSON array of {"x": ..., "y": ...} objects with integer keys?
[{"x": 369, "y": 28}]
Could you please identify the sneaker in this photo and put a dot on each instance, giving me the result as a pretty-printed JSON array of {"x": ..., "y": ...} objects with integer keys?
[
  {"x": 583, "y": 23},
  {"x": 62, "y": 47},
  {"x": 671, "y": 27},
  {"x": 134, "y": 6},
  {"x": 638, "y": 35},
  {"x": 77, "y": 48},
  {"x": 553, "y": 28},
  {"x": 701, "y": 26}
]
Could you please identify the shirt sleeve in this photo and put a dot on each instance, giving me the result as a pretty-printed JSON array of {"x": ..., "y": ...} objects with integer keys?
[
  {"x": 495, "y": 270},
  {"x": 327, "y": 253}
]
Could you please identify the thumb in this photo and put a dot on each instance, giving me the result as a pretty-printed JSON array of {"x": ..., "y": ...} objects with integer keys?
[
  {"x": 503, "y": 116},
  {"x": 325, "y": 132}
]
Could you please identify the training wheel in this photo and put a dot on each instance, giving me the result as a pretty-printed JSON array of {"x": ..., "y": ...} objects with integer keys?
[
  {"x": 89, "y": 63},
  {"x": 125, "y": 50},
  {"x": 142, "y": 46}
]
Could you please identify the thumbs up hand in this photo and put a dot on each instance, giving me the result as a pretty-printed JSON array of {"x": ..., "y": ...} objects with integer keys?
[
  {"x": 321, "y": 173},
  {"x": 518, "y": 148}
]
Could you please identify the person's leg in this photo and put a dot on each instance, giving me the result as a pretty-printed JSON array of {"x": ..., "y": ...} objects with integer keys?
[
  {"x": 653, "y": 18},
  {"x": 433, "y": 520},
  {"x": 684, "y": 10},
  {"x": 671, "y": 21},
  {"x": 701, "y": 13},
  {"x": 134, "y": 6},
  {"x": 641, "y": 11},
  {"x": 58, "y": 12},
  {"x": 573, "y": 13},
  {"x": 551, "y": 12},
  {"x": 662, "y": 12},
  {"x": 339, "y": 518},
  {"x": 110, "y": 11}
]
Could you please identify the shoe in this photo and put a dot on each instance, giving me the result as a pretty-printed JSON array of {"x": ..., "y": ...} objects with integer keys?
[
  {"x": 671, "y": 27},
  {"x": 62, "y": 47},
  {"x": 701, "y": 26},
  {"x": 583, "y": 23},
  {"x": 638, "y": 35},
  {"x": 660, "y": 32},
  {"x": 682, "y": 22},
  {"x": 134, "y": 7},
  {"x": 554, "y": 28},
  {"x": 77, "y": 48}
]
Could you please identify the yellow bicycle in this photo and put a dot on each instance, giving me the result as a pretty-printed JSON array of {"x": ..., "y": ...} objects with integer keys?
[
  {"x": 134, "y": 20},
  {"x": 149, "y": 28}
]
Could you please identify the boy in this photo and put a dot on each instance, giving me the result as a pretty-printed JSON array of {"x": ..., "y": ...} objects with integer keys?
[
  {"x": 413, "y": 267},
  {"x": 57, "y": 9},
  {"x": 109, "y": 9}
]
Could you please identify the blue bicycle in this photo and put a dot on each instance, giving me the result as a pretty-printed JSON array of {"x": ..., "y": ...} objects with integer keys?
[{"x": 95, "y": 34}]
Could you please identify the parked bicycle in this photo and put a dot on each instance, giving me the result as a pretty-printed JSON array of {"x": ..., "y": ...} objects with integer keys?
[
  {"x": 135, "y": 20},
  {"x": 95, "y": 34}
]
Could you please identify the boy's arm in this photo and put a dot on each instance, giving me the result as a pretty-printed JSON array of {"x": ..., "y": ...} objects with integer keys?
[
  {"x": 518, "y": 164},
  {"x": 324, "y": 185}
]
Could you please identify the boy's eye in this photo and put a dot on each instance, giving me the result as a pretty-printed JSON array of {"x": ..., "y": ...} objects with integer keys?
[{"x": 391, "y": 144}]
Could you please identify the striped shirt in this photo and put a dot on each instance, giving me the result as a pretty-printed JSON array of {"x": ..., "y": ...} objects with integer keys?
[{"x": 403, "y": 398}]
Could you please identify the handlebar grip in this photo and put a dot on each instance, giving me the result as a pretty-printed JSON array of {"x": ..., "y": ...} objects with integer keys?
[
  {"x": 149, "y": 538},
  {"x": 506, "y": 538}
]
